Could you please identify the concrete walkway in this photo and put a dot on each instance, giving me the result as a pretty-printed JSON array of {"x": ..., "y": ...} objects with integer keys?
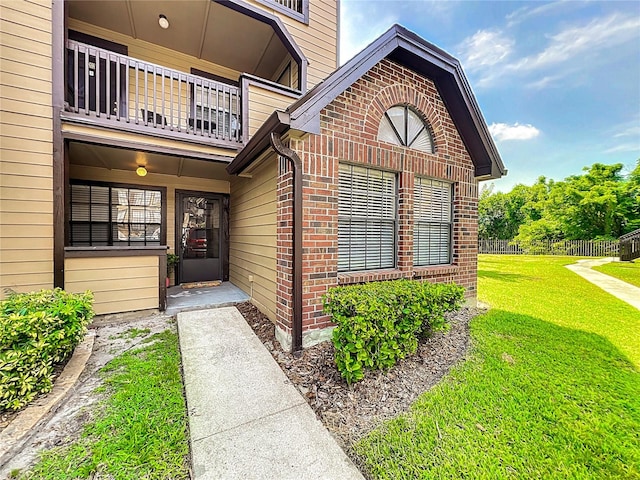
[
  {"x": 622, "y": 290},
  {"x": 246, "y": 420}
]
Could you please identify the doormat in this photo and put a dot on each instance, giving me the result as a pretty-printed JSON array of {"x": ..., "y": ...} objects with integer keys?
[{"x": 215, "y": 283}]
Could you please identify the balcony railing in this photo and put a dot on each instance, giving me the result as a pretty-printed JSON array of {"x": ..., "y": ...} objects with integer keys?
[
  {"x": 123, "y": 92},
  {"x": 295, "y": 5}
]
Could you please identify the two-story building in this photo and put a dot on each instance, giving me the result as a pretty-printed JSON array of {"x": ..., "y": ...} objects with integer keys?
[{"x": 222, "y": 131}]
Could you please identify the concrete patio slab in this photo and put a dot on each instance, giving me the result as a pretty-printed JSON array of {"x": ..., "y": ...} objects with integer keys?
[
  {"x": 247, "y": 421},
  {"x": 183, "y": 300}
]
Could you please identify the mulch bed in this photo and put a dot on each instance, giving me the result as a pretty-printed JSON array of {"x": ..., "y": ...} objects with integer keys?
[{"x": 349, "y": 413}]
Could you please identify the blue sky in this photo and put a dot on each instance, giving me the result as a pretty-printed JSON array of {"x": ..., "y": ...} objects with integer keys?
[{"x": 558, "y": 82}]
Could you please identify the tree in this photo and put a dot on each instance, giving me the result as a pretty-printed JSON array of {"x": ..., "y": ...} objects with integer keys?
[
  {"x": 500, "y": 215},
  {"x": 600, "y": 203},
  {"x": 591, "y": 205}
]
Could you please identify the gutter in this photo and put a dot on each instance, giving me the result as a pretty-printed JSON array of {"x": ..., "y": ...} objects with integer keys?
[
  {"x": 269, "y": 136},
  {"x": 296, "y": 163}
]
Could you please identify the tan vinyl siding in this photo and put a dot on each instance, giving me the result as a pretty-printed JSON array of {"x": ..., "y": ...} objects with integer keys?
[
  {"x": 262, "y": 103},
  {"x": 26, "y": 148},
  {"x": 119, "y": 284},
  {"x": 172, "y": 183},
  {"x": 318, "y": 40},
  {"x": 252, "y": 235}
]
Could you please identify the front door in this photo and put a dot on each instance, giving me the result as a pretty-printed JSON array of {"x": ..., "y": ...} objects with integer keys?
[{"x": 200, "y": 236}]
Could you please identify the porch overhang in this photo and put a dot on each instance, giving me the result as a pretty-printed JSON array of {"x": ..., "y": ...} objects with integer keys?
[{"x": 199, "y": 28}]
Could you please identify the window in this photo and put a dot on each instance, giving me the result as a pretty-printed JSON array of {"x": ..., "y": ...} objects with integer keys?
[
  {"x": 367, "y": 201},
  {"x": 402, "y": 126},
  {"x": 113, "y": 215},
  {"x": 432, "y": 209}
]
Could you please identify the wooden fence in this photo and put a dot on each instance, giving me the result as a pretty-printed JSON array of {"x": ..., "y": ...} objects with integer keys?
[
  {"x": 582, "y": 248},
  {"x": 630, "y": 246}
]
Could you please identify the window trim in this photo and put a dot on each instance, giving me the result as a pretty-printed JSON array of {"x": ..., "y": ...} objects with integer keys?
[
  {"x": 417, "y": 221},
  {"x": 302, "y": 17},
  {"x": 395, "y": 222},
  {"x": 163, "y": 210}
]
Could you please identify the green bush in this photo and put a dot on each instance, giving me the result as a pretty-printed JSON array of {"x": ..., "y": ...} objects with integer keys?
[
  {"x": 379, "y": 323},
  {"x": 37, "y": 331}
]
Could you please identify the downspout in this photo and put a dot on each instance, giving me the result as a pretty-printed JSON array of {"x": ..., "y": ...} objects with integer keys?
[{"x": 296, "y": 163}]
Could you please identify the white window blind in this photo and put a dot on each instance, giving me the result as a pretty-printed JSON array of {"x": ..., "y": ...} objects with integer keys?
[
  {"x": 367, "y": 201},
  {"x": 433, "y": 205}
]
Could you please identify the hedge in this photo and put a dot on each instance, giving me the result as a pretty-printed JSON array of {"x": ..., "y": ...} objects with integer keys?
[
  {"x": 37, "y": 331},
  {"x": 379, "y": 323}
]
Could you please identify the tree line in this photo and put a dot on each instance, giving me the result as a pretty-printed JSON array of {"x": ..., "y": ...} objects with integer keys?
[{"x": 602, "y": 203}]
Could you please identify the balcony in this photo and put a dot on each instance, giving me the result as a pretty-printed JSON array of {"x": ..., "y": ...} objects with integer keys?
[{"x": 116, "y": 91}]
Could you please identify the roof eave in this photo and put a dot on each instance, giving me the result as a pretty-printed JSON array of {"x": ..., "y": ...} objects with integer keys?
[
  {"x": 410, "y": 49},
  {"x": 277, "y": 122}
]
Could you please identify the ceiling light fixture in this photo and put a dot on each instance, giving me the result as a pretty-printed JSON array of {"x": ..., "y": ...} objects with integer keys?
[
  {"x": 141, "y": 171},
  {"x": 163, "y": 21}
]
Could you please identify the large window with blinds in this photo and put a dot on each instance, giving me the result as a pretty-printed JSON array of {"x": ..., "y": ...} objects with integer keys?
[
  {"x": 433, "y": 214},
  {"x": 115, "y": 215},
  {"x": 367, "y": 200}
]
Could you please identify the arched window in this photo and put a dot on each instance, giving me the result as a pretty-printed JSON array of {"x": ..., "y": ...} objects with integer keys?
[{"x": 400, "y": 125}]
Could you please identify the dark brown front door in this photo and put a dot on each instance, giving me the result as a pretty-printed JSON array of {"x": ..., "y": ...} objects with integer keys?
[{"x": 200, "y": 236}]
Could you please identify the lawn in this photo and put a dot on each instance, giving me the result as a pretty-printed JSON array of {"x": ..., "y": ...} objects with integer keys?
[
  {"x": 551, "y": 388},
  {"x": 626, "y": 271},
  {"x": 141, "y": 430}
]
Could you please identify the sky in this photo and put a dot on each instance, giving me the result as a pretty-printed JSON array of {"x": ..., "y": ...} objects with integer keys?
[{"x": 558, "y": 83}]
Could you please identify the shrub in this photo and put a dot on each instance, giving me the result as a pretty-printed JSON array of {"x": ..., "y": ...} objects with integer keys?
[
  {"x": 37, "y": 331},
  {"x": 379, "y": 323}
]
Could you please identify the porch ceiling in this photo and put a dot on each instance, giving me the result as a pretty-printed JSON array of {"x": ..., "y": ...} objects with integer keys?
[
  {"x": 100, "y": 156},
  {"x": 200, "y": 28}
]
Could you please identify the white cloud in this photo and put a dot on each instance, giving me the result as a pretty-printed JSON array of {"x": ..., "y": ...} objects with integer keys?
[
  {"x": 569, "y": 53},
  {"x": 485, "y": 48},
  {"x": 360, "y": 26},
  {"x": 625, "y": 147},
  {"x": 525, "y": 13},
  {"x": 544, "y": 81},
  {"x": 631, "y": 131},
  {"x": 577, "y": 42},
  {"x": 504, "y": 131}
]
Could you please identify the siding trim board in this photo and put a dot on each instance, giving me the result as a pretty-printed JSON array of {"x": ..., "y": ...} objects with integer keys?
[{"x": 60, "y": 157}]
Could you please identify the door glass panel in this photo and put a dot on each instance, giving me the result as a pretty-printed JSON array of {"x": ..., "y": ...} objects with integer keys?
[{"x": 200, "y": 227}]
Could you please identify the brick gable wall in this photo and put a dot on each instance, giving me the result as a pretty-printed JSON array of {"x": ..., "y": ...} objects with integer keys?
[{"x": 349, "y": 129}]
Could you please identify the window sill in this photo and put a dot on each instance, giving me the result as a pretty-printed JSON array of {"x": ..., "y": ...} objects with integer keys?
[
  {"x": 434, "y": 270},
  {"x": 347, "y": 278},
  {"x": 109, "y": 251}
]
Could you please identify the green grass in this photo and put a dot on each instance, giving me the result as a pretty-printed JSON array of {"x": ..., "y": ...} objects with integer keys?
[
  {"x": 141, "y": 430},
  {"x": 626, "y": 271},
  {"x": 131, "y": 333},
  {"x": 550, "y": 390}
]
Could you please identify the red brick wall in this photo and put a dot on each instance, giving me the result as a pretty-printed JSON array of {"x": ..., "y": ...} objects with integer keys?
[{"x": 349, "y": 129}]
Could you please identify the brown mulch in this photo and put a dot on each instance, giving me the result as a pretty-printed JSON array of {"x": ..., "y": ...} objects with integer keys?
[{"x": 351, "y": 412}]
